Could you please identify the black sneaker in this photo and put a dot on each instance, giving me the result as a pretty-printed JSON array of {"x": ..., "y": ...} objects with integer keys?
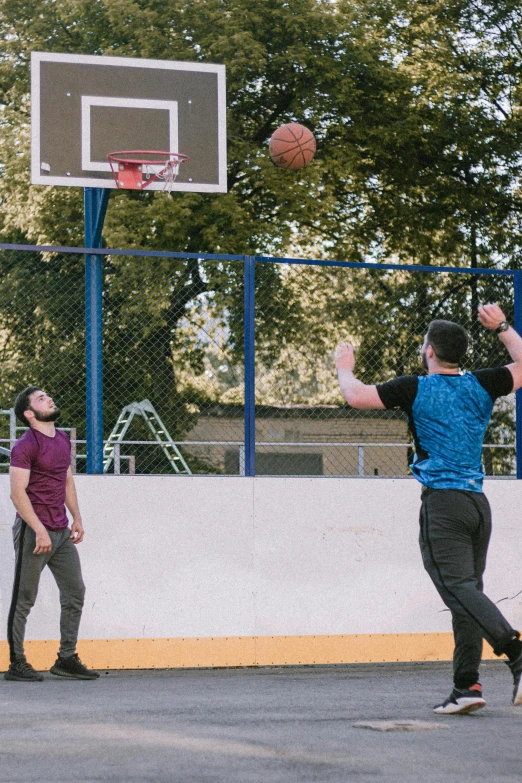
[
  {"x": 462, "y": 701},
  {"x": 516, "y": 671},
  {"x": 21, "y": 671},
  {"x": 72, "y": 667}
]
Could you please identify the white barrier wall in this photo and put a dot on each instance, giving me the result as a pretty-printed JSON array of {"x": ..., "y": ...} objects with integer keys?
[{"x": 186, "y": 571}]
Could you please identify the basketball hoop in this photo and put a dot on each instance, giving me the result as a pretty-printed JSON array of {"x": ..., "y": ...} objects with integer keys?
[{"x": 136, "y": 169}]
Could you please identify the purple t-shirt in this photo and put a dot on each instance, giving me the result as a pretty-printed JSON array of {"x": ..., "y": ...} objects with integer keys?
[{"x": 48, "y": 459}]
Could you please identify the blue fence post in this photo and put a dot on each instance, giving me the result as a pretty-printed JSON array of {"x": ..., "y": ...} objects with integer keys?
[
  {"x": 517, "y": 285},
  {"x": 95, "y": 203},
  {"x": 250, "y": 375}
]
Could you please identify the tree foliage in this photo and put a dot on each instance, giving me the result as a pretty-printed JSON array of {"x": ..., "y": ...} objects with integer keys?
[{"x": 416, "y": 108}]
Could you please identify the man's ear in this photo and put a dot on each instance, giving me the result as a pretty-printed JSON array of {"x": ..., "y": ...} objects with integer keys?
[
  {"x": 28, "y": 416},
  {"x": 430, "y": 353}
]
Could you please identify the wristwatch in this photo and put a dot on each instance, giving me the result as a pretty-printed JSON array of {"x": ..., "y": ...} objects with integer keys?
[{"x": 502, "y": 327}]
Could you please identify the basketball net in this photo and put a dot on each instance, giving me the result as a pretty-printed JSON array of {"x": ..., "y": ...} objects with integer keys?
[{"x": 168, "y": 175}]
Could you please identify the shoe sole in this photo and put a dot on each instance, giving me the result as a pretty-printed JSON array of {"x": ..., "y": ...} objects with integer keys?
[
  {"x": 517, "y": 698},
  {"x": 14, "y": 678},
  {"x": 61, "y": 673},
  {"x": 463, "y": 709}
]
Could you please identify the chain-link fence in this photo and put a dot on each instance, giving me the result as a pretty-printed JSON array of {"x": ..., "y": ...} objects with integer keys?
[
  {"x": 302, "y": 427},
  {"x": 174, "y": 359},
  {"x": 173, "y": 363},
  {"x": 42, "y": 316}
]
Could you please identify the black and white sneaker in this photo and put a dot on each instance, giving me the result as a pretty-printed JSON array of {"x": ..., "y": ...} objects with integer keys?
[
  {"x": 462, "y": 702},
  {"x": 516, "y": 671},
  {"x": 73, "y": 668},
  {"x": 21, "y": 671}
]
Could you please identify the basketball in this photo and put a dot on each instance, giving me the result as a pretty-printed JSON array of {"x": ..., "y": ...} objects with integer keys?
[{"x": 292, "y": 146}]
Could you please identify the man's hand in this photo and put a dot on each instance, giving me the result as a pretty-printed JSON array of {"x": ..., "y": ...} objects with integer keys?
[
  {"x": 345, "y": 357},
  {"x": 490, "y": 315},
  {"x": 77, "y": 532},
  {"x": 43, "y": 542},
  {"x": 356, "y": 393}
]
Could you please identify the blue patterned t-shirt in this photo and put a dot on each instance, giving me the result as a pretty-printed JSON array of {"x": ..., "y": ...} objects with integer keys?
[{"x": 448, "y": 417}]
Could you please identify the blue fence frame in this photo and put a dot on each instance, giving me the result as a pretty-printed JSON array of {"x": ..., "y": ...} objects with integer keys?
[{"x": 93, "y": 317}]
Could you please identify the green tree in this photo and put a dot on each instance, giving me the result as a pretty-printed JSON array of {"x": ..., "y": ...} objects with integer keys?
[
  {"x": 281, "y": 60},
  {"x": 415, "y": 106}
]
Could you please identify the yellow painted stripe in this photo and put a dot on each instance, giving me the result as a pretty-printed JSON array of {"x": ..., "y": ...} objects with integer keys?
[{"x": 247, "y": 651}]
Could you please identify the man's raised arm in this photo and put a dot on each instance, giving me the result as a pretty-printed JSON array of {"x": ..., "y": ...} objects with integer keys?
[
  {"x": 355, "y": 392},
  {"x": 491, "y": 316}
]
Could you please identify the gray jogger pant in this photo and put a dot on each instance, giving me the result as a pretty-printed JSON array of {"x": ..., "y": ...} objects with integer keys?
[
  {"x": 455, "y": 527},
  {"x": 64, "y": 562}
]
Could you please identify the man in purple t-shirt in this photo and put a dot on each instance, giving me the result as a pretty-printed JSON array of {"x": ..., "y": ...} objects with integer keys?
[{"x": 42, "y": 485}]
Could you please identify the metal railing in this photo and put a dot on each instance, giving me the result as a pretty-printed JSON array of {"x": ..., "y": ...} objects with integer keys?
[{"x": 274, "y": 446}]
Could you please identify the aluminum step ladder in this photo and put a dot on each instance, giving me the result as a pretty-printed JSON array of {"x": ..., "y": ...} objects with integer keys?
[{"x": 147, "y": 411}]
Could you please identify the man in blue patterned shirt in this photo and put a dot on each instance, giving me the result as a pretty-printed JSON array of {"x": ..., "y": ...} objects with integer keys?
[{"x": 448, "y": 413}]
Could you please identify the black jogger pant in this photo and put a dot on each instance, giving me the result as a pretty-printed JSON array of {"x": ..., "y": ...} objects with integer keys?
[{"x": 455, "y": 527}]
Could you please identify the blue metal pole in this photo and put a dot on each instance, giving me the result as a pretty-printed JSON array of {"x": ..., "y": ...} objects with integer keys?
[
  {"x": 95, "y": 202},
  {"x": 250, "y": 375},
  {"x": 517, "y": 285}
]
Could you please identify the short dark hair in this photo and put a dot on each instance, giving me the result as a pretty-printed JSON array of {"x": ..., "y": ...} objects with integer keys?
[
  {"x": 448, "y": 340},
  {"x": 23, "y": 403}
]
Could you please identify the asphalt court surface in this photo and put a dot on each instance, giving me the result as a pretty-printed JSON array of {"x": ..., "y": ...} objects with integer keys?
[{"x": 282, "y": 725}]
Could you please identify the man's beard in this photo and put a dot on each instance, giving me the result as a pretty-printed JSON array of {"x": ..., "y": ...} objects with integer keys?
[
  {"x": 47, "y": 416},
  {"x": 423, "y": 360}
]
